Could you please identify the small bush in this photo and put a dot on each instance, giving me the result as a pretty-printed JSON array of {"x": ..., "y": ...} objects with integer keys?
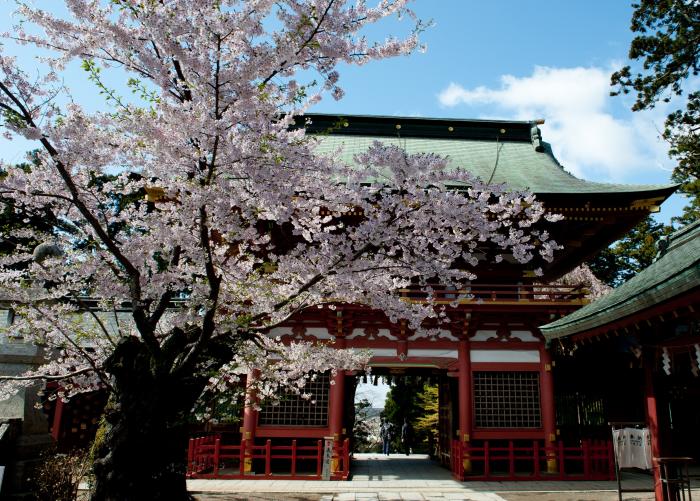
[{"x": 58, "y": 477}]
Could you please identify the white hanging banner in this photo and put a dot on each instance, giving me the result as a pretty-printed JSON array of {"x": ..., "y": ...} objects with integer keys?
[{"x": 633, "y": 448}]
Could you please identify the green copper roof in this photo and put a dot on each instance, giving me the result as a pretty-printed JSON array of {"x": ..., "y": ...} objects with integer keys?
[
  {"x": 676, "y": 272},
  {"x": 507, "y": 152},
  {"x": 519, "y": 165}
]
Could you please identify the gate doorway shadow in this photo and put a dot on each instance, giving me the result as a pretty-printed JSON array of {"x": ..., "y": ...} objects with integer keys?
[{"x": 375, "y": 467}]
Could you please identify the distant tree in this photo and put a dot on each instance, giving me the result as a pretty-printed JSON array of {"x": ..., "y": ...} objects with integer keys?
[
  {"x": 583, "y": 276},
  {"x": 408, "y": 399},
  {"x": 605, "y": 266},
  {"x": 629, "y": 255},
  {"x": 401, "y": 401},
  {"x": 362, "y": 432},
  {"x": 426, "y": 422},
  {"x": 668, "y": 46}
]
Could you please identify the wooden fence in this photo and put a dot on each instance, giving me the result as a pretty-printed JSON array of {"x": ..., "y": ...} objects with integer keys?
[
  {"x": 591, "y": 460},
  {"x": 207, "y": 457}
]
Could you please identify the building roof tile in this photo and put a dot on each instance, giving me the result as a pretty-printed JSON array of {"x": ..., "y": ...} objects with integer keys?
[
  {"x": 509, "y": 152},
  {"x": 674, "y": 273}
]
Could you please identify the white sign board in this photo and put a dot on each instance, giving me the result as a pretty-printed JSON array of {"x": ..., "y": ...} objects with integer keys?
[{"x": 633, "y": 448}]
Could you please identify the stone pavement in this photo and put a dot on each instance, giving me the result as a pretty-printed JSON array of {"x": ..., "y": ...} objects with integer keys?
[{"x": 416, "y": 478}]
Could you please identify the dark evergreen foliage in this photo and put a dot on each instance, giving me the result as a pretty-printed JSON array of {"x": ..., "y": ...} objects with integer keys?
[
  {"x": 629, "y": 255},
  {"x": 407, "y": 400},
  {"x": 668, "y": 47}
]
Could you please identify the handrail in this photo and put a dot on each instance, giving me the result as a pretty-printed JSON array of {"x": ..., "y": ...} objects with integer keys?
[
  {"x": 590, "y": 460},
  {"x": 207, "y": 457},
  {"x": 485, "y": 293}
]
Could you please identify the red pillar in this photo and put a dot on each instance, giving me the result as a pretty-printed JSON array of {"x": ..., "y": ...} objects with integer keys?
[
  {"x": 549, "y": 422},
  {"x": 250, "y": 419},
  {"x": 465, "y": 400},
  {"x": 335, "y": 418},
  {"x": 652, "y": 421},
  {"x": 57, "y": 418},
  {"x": 337, "y": 398}
]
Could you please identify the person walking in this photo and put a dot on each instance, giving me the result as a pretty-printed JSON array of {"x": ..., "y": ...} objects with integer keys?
[
  {"x": 406, "y": 436},
  {"x": 385, "y": 435}
]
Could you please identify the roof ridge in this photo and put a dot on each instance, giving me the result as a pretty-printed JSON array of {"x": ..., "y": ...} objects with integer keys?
[
  {"x": 677, "y": 239},
  {"x": 418, "y": 118},
  {"x": 690, "y": 227}
]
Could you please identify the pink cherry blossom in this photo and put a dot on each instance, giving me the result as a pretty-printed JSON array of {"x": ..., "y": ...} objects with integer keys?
[{"x": 196, "y": 215}]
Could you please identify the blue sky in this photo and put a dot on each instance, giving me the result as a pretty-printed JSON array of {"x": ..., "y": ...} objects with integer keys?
[
  {"x": 524, "y": 60},
  {"x": 502, "y": 59}
]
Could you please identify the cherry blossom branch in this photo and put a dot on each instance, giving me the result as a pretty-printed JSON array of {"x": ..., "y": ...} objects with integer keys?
[
  {"x": 217, "y": 114},
  {"x": 303, "y": 45},
  {"x": 302, "y": 306},
  {"x": 94, "y": 316},
  {"x": 214, "y": 280},
  {"x": 135, "y": 286},
  {"x": 48, "y": 377},
  {"x": 320, "y": 276},
  {"x": 311, "y": 282},
  {"x": 77, "y": 347},
  {"x": 108, "y": 57}
]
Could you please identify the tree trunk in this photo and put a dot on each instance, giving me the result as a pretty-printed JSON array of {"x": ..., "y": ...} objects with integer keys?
[{"x": 143, "y": 453}]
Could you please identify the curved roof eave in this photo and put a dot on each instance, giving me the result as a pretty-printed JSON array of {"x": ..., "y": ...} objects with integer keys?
[{"x": 675, "y": 273}]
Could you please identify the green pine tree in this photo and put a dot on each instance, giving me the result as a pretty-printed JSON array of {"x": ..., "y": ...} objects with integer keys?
[
  {"x": 667, "y": 45},
  {"x": 629, "y": 255}
]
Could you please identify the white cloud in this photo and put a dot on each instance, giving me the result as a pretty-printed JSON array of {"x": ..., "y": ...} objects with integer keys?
[{"x": 587, "y": 138}]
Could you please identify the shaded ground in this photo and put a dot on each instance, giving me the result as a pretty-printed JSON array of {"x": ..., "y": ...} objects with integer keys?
[{"x": 498, "y": 496}]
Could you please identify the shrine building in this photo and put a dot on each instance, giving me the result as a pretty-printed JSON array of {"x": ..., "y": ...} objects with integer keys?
[
  {"x": 498, "y": 415},
  {"x": 644, "y": 338},
  {"x": 506, "y": 412}
]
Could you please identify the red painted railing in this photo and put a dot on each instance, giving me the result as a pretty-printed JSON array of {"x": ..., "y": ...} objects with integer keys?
[
  {"x": 592, "y": 460},
  {"x": 498, "y": 293},
  {"x": 207, "y": 457}
]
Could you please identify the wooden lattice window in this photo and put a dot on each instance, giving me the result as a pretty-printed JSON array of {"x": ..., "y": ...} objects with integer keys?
[
  {"x": 293, "y": 410},
  {"x": 507, "y": 399}
]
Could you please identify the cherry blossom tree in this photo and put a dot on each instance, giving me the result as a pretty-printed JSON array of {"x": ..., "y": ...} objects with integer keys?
[
  {"x": 583, "y": 276},
  {"x": 195, "y": 214}
]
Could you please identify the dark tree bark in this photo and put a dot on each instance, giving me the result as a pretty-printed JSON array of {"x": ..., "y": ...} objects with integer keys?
[{"x": 143, "y": 453}]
